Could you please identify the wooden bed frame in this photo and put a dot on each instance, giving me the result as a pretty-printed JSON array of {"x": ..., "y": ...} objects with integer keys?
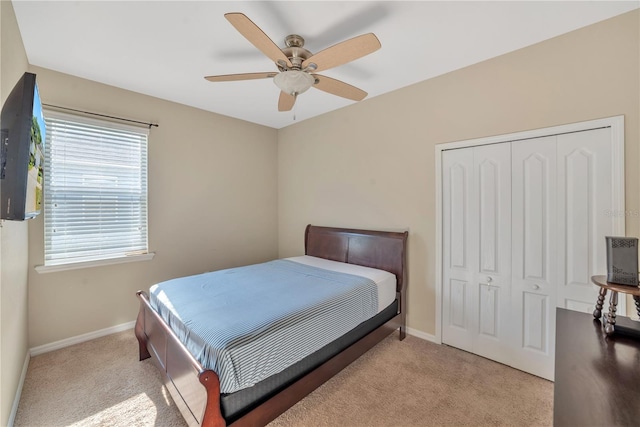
[{"x": 196, "y": 391}]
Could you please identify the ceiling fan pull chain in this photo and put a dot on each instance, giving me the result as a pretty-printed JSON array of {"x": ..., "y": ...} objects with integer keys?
[{"x": 294, "y": 108}]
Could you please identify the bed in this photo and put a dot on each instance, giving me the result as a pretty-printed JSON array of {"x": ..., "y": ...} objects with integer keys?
[{"x": 197, "y": 389}]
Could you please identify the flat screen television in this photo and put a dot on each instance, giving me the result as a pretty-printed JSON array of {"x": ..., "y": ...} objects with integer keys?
[{"x": 22, "y": 151}]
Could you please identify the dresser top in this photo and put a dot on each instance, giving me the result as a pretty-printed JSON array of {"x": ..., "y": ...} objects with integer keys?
[{"x": 597, "y": 378}]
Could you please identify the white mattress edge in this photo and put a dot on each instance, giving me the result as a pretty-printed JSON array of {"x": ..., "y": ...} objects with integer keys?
[{"x": 385, "y": 281}]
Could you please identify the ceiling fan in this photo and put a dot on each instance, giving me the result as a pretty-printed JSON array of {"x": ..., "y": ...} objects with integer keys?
[{"x": 297, "y": 66}]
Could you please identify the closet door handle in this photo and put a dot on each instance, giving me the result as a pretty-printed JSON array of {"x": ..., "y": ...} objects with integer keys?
[{"x": 535, "y": 287}]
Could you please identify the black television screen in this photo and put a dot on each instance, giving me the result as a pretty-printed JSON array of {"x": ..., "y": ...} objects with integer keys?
[{"x": 22, "y": 151}]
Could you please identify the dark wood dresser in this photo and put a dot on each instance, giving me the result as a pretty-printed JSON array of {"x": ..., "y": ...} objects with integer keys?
[{"x": 597, "y": 377}]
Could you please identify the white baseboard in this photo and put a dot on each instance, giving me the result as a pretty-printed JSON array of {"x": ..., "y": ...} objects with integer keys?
[
  {"x": 16, "y": 400},
  {"x": 80, "y": 338},
  {"x": 425, "y": 336}
]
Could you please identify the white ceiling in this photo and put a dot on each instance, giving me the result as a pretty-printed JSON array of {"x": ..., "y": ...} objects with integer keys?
[{"x": 165, "y": 48}]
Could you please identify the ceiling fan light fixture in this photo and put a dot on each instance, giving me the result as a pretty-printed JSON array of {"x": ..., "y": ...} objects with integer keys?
[{"x": 294, "y": 82}]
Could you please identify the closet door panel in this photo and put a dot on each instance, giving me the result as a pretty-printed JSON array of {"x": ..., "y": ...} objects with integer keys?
[
  {"x": 458, "y": 304},
  {"x": 533, "y": 241},
  {"x": 492, "y": 196},
  {"x": 585, "y": 180},
  {"x": 489, "y": 308},
  {"x": 458, "y": 326},
  {"x": 536, "y": 310},
  {"x": 535, "y": 218}
]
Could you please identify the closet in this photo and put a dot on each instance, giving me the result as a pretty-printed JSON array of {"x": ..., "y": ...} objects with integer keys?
[{"x": 523, "y": 230}]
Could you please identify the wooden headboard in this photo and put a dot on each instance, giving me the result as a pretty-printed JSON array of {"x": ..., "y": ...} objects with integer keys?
[{"x": 385, "y": 250}]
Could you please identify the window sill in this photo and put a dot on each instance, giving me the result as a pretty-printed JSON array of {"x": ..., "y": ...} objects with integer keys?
[{"x": 98, "y": 263}]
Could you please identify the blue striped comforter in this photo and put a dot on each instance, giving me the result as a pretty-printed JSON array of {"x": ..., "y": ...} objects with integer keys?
[{"x": 251, "y": 322}]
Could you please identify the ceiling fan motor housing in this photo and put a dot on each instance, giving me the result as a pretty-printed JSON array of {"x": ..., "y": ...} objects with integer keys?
[
  {"x": 295, "y": 51},
  {"x": 294, "y": 40}
]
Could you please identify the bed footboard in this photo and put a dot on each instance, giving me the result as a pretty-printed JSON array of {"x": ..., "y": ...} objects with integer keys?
[{"x": 196, "y": 391}]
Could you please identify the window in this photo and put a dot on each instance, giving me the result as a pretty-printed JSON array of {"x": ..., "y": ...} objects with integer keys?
[{"x": 95, "y": 193}]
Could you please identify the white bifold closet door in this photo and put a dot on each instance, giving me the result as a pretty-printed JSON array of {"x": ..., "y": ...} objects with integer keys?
[
  {"x": 534, "y": 239},
  {"x": 523, "y": 231},
  {"x": 477, "y": 249}
]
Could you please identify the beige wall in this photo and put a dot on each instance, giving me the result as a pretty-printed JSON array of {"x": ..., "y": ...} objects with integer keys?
[
  {"x": 371, "y": 165},
  {"x": 212, "y": 204},
  {"x": 13, "y": 238}
]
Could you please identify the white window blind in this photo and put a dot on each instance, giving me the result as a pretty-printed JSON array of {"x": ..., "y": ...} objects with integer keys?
[{"x": 95, "y": 190}]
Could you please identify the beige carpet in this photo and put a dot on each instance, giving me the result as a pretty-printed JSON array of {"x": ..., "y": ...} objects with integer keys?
[{"x": 408, "y": 383}]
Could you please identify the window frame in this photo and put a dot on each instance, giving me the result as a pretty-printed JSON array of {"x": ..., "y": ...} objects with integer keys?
[{"x": 107, "y": 260}]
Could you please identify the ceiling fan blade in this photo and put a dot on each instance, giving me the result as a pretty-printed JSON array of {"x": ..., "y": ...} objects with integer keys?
[
  {"x": 286, "y": 101},
  {"x": 336, "y": 87},
  {"x": 344, "y": 52},
  {"x": 244, "y": 76},
  {"x": 257, "y": 37}
]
